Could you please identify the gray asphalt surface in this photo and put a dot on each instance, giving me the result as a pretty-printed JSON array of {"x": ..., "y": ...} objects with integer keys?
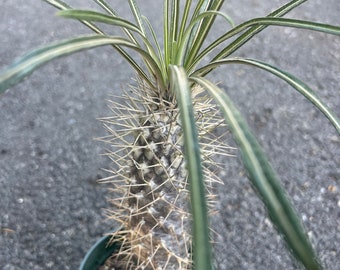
[{"x": 50, "y": 203}]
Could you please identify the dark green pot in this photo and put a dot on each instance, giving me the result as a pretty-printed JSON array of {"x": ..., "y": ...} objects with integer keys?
[{"x": 98, "y": 254}]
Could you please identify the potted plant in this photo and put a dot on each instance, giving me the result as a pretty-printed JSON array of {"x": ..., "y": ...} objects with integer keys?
[{"x": 166, "y": 128}]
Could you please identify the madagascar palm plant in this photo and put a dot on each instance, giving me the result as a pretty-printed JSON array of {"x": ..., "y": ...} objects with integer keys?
[{"x": 164, "y": 130}]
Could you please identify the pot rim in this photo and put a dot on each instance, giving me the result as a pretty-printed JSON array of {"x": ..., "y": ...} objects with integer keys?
[{"x": 98, "y": 253}]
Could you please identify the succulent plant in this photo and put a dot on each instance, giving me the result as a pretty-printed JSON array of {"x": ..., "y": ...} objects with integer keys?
[
  {"x": 153, "y": 207},
  {"x": 164, "y": 131}
]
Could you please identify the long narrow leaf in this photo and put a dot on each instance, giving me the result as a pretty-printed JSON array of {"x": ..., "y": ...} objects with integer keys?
[
  {"x": 201, "y": 7},
  {"x": 158, "y": 48},
  {"x": 174, "y": 20},
  {"x": 173, "y": 29},
  {"x": 201, "y": 242},
  {"x": 58, "y": 4},
  {"x": 247, "y": 35},
  {"x": 199, "y": 36},
  {"x": 106, "y": 7},
  {"x": 264, "y": 22},
  {"x": 303, "y": 24},
  {"x": 240, "y": 41},
  {"x": 264, "y": 179},
  {"x": 184, "y": 19},
  {"x": 137, "y": 15},
  {"x": 89, "y": 15},
  {"x": 296, "y": 83},
  {"x": 103, "y": 18},
  {"x": 184, "y": 45},
  {"x": 166, "y": 32},
  {"x": 26, "y": 65},
  {"x": 113, "y": 13},
  {"x": 63, "y": 6}
]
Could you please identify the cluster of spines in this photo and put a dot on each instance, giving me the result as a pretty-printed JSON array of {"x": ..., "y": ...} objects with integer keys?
[{"x": 150, "y": 178}]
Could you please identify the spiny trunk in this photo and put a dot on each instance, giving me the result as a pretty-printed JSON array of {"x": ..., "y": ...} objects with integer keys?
[{"x": 151, "y": 180}]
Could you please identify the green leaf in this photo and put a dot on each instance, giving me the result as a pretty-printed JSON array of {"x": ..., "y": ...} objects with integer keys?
[
  {"x": 166, "y": 32},
  {"x": 246, "y": 36},
  {"x": 262, "y": 22},
  {"x": 184, "y": 19},
  {"x": 136, "y": 13},
  {"x": 113, "y": 13},
  {"x": 174, "y": 19},
  {"x": 264, "y": 179},
  {"x": 27, "y": 64},
  {"x": 201, "y": 6},
  {"x": 201, "y": 241},
  {"x": 85, "y": 16},
  {"x": 88, "y": 15},
  {"x": 106, "y": 7},
  {"x": 63, "y": 6},
  {"x": 201, "y": 31},
  {"x": 268, "y": 21},
  {"x": 184, "y": 46},
  {"x": 303, "y": 24},
  {"x": 58, "y": 4},
  {"x": 158, "y": 48},
  {"x": 297, "y": 84}
]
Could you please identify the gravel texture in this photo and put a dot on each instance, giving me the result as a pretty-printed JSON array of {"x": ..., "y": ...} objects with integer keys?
[{"x": 50, "y": 203}]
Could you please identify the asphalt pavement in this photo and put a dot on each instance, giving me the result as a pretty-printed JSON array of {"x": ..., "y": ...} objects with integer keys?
[{"x": 51, "y": 206}]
